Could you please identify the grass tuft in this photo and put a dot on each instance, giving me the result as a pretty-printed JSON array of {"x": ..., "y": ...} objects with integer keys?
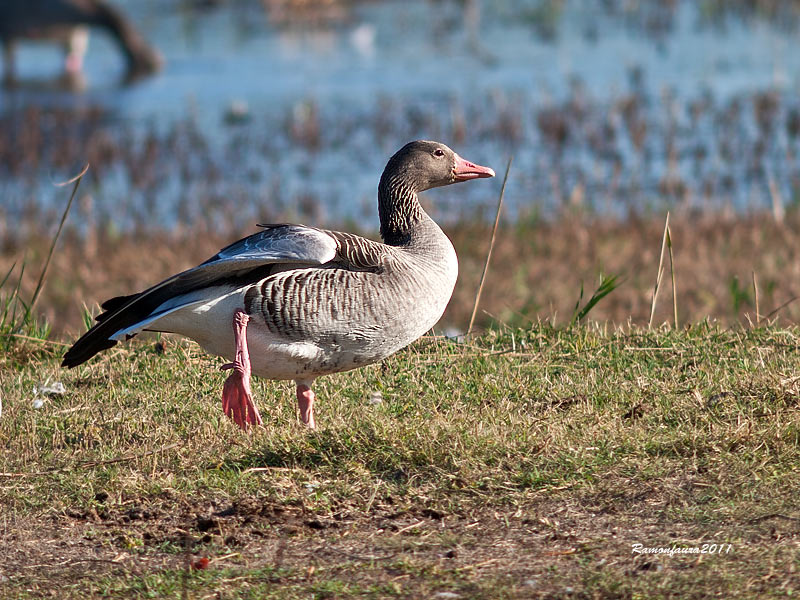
[
  {"x": 604, "y": 288},
  {"x": 18, "y": 324},
  {"x": 18, "y": 321}
]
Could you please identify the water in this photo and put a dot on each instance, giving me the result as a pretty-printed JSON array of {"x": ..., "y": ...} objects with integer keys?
[{"x": 605, "y": 107}]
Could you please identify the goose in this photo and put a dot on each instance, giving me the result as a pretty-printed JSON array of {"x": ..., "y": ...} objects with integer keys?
[
  {"x": 67, "y": 22},
  {"x": 292, "y": 302}
]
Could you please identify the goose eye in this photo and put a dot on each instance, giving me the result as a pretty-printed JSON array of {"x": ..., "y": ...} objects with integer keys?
[{"x": 438, "y": 152}]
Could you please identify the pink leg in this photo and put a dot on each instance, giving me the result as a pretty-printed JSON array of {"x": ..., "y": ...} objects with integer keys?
[
  {"x": 305, "y": 402},
  {"x": 73, "y": 63},
  {"x": 237, "y": 401},
  {"x": 75, "y": 49}
]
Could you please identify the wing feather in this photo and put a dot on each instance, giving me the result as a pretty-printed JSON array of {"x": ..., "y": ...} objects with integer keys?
[
  {"x": 280, "y": 244},
  {"x": 249, "y": 259}
]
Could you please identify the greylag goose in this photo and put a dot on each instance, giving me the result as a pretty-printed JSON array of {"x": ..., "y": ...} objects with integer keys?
[
  {"x": 297, "y": 302},
  {"x": 66, "y": 21}
]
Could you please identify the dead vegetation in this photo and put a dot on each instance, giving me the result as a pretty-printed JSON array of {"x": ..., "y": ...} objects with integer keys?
[{"x": 536, "y": 273}]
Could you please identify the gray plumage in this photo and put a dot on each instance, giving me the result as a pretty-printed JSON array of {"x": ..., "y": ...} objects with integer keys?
[{"x": 318, "y": 301}]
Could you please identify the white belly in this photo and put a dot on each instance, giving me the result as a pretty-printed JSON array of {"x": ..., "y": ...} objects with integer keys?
[{"x": 210, "y": 324}]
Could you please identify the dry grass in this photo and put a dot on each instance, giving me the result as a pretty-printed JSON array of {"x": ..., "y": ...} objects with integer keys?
[
  {"x": 537, "y": 269},
  {"x": 536, "y": 273}
]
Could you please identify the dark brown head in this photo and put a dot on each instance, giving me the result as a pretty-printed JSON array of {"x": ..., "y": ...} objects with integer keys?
[{"x": 422, "y": 165}]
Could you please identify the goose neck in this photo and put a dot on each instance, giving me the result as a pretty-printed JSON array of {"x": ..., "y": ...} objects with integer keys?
[{"x": 398, "y": 208}]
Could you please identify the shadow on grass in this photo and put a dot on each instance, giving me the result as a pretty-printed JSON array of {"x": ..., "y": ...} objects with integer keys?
[{"x": 337, "y": 453}]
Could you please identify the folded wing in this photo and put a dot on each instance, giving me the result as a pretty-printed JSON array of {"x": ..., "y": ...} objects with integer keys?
[{"x": 247, "y": 260}]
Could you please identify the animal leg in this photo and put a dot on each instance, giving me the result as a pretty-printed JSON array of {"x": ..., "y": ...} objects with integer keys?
[
  {"x": 305, "y": 402},
  {"x": 75, "y": 49},
  {"x": 9, "y": 74},
  {"x": 237, "y": 401}
]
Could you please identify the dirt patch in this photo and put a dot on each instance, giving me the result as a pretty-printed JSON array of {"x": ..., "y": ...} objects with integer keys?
[{"x": 550, "y": 548}]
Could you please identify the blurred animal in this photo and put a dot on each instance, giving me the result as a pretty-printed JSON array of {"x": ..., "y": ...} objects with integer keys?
[{"x": 68, "y": 22}]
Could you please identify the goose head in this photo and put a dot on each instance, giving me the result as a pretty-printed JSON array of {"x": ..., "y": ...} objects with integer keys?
[{"x": 423, "y": 164}]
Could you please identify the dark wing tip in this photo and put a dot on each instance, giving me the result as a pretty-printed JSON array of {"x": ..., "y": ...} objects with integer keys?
[
  {"x": 113, "y": 304},
  {"x": 81, "y": 352}
]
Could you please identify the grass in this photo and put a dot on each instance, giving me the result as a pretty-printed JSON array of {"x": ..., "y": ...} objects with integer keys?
[
  {"x": 523, "y": 464},
  {"x": 17, "y": 317}
]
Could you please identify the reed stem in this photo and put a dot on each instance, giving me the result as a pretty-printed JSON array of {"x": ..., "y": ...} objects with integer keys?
[{"x": 491, "y": 247}]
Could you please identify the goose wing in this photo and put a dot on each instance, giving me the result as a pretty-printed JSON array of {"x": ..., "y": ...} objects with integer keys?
[{"x": 249, "y": 259}]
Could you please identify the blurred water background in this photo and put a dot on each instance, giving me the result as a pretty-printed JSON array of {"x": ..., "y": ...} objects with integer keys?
[{"x": 276, "y": 110}]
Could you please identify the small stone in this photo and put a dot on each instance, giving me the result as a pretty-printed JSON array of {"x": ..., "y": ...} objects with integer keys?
[
  {"x": 455, "y": 335},
  {"x": 375, "y": 398},
  {"x": 49, "y": 389}
]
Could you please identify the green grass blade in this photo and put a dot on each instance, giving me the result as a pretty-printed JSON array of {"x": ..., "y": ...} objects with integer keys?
[{"x": 607, "y": 285}]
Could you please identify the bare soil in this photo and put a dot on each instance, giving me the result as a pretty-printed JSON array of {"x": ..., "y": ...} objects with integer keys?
[{"x": 551, "y": 547}]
